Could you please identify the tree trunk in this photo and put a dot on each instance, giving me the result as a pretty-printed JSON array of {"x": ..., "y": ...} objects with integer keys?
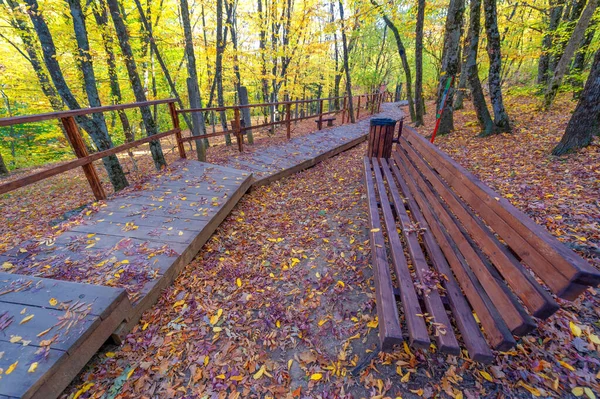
[
  {"x": 463, "y": 79},
  {"x": 346, "y": 64},
  {"x": 579, "y": 60},
  {"x": 471, "y": 71},
  {"x": 572, "y": 45},
  {"x": 556, "y": 8},
  {"x": 94, "y": 126},
  {"x": 419, "y": 63},
  {"x": 221, "y": 43},
  {"x": 136, "y": 83},
  {"x": 198, "y": 127},
  {"x": 101, "y": 16},
  {"x": 450, "y": 62},
  {"x": 494, "y": 54},
  {"x": 3, "y": 168},
  {"x": 585, "y": 122}
]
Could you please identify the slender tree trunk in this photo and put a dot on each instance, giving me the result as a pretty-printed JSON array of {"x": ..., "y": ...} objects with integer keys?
[
  {"x": 419, "y": 63},
  {"x": 95, "y": 126},
  {"x": 579, "y": 60},
  {"x": 3, "y": 168},
  {"x": 463, "y": 79},
  {"x": 346, "y": 64},
  {"x": 450, "y": 62},
  {"x": 136, "y": 83},
  {"x": 494, "y": 81},
  {"x": 572, "y": 45},
  {"x": 338, "y": 76},
  {"x": 585, "y": 122},
  {"x": 471, "y": 71},
  {"x": 221, "y": 43},
  {"x": 101, "y": 16},
  {"x": 198, "y": 127},
  {"x": 544, "y": 60}
]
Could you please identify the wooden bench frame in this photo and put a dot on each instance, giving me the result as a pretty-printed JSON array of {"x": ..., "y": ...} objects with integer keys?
[
  {"x": 483, "y": 251},
  {"x": 329, "y": 121}
]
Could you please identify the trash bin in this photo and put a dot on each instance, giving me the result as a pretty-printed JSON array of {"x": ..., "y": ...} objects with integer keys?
[{"x": 381, "y": 137}]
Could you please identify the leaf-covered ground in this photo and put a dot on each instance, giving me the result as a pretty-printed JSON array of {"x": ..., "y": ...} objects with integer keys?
[{"x": 280, "y": 301}]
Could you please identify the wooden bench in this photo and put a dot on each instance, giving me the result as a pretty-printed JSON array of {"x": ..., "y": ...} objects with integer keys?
[
  {"x": 329, "y": 121},
  {"x": 468, "y": 251}
]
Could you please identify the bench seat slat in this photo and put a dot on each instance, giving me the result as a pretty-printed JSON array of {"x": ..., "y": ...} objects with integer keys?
[
  {"x": 535, "y": 297},
  {"x": 390, "y": 332},
  {"x": 444, "y": 334},
  {"x": 417, "y": 330},
  {"x": 514, "y": 316},
  {"x": 535, "y": 245},
  {"x": 471, "y": 334}
]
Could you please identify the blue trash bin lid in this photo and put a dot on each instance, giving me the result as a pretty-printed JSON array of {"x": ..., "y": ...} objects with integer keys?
[{"x": 383, "y": 122}]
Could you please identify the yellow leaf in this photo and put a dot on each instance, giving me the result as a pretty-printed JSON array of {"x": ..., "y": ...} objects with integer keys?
[
  {"x": 340, "y": 283},
  {"x": 373, "y": 323},
  {"x": 86, "y": 387},
  {"x": 7, "y": 265},
  {"x": 259, "y": 373},
  {"x": 278, "y": 324},
  {"x": 594, "y": 339},
  {"x": 509, "y": 195},
  {"x": 532, "y": 390},
  {"x": 12, "y": 367},
  {"x": 53, "y": 302},
  {"x": 33, "y": 367},
  {"x": 375, "y": 230},
  {"x": 236, "y": 378},
  {"x": 238, "y": 282},
  {"x": 110, "y": 354},
  {"x": 214, "y": 319},
  {"x": 486, "y": 375},
  {"x": 221, "y": 376},
  {"x": 290, "y": 363},
  {"x": 130, "y": 372},
  {"x": 575, "y": 329},
  {"x": 589, "y": 393},
  {"x": 26, "y": 319},
  {"x": 577, "y": 391},
  {"x": 179, "y": 303},
  {"x": 566, "y": 365},
  {"x": 316, "y": 376},
  {"x": 15, "y": 338},
  {"x": 405, "y": 378},
  {"x": 217, "y": 329}
]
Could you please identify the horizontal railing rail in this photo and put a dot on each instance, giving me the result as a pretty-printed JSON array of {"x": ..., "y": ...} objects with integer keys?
[{"x": 372, "y": 103}]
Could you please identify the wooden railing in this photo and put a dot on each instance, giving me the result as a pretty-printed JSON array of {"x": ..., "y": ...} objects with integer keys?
[{"x": 371, "y": 103}]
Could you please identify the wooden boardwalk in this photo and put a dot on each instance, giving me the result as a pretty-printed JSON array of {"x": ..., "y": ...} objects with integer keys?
[
  {"x": 138, "y": 241},
  {"x": 96, "y": 279},
  {"x": 299, "y": 153}
]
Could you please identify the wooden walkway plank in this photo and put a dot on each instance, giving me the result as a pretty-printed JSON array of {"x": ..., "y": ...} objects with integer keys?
[
  {"x": 529, "y": 240},
  {"x": 390, "y": 332},
  {"x": 417, "y": 330},
  {"x": 520, "y": 280},
  {"x": 494, "y": 327},
  {"x": 442, "y": 327},
  {"x": 471, "y": 333}
]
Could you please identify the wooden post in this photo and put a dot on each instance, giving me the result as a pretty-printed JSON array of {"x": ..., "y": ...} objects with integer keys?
[
  {"x": 373, "y": 101},
  {"x": 238, "y": 129},
  {"x": 175, "y": 120},
  {"x": 79, "y": 148},
  {"x": 344, "y": 110},
  {"x": 358, "y": 108},
  {"x": 288, "y": 119},
  {"x": 320, "y": 114}
]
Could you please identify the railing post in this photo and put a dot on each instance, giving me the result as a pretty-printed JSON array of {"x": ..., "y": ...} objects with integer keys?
[
  {"x": 175, "y": 120},
  {"x": 320, "y": 114},
  {"x": 358, "y": 107},
  {"x": 238, "y": 129},
  {"x": 373, "y": 100},
  {"x": 288, "y": 120},
  {"x": 79, "y": 148},
  {"x": 344, "y": 110}
]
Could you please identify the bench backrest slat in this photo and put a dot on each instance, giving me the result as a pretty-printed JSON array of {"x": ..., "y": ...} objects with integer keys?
[{"x": 531, "y": 242}]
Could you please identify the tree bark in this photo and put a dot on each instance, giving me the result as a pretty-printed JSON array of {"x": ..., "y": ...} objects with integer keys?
[
  {"x": 136, "y": 83},
  {"x": 101, "y": 16},
  {"x": 572, "y": 45},
  {"x": 221, "y": 43},
  {"x": 471, "y": 71},
  {"x": 450, "y": 62},
  {"x": 585, "y": 122},
  {"x": 580, "y": 59},
  {"x": 544, "y": 60},
  {"x": 346, "y": 64},
  {"x": 94, "y": 126},
  {"x": 198, "y": 127},
  {"x": 3, "y": 168},
  {"x": 494, "y": 77},
  {"x": 419, "y": 63}
]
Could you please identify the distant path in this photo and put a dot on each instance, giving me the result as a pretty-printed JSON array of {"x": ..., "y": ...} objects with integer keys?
[{"x": 299, "y": 153}]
